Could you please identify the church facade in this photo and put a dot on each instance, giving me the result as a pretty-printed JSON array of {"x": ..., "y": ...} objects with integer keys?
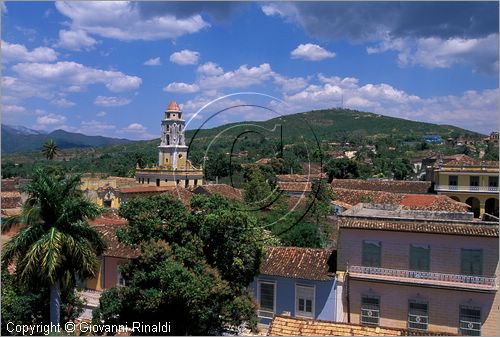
[{"x": 173, "y": 169}]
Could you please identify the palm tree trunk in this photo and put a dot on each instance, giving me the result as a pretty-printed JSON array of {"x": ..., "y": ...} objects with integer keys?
[{"x": 55, "y": 303}]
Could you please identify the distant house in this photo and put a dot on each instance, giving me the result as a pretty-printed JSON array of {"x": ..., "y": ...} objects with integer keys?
[
  {"x": 296, "y": 281},
  {"x": 433, "y": 139},
  {"x": 395, "y": 186}
]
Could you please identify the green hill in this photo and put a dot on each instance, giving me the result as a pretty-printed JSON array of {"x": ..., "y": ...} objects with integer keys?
[{"x": 253, "y": 140}]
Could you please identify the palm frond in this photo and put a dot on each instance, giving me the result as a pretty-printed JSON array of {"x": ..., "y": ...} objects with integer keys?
[{"x": 20, "y": 243}]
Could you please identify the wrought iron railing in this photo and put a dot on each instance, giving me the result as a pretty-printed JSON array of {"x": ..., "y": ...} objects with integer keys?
[
  {"x": 466, "y": 188},
  {"x": 424, "y": 275}
]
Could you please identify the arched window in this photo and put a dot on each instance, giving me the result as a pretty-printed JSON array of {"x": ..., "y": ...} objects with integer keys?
[{"x": 168, "y": 139}]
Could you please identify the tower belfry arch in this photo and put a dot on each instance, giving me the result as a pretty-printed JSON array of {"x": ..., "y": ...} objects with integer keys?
[{"x": 173, "y": 167}]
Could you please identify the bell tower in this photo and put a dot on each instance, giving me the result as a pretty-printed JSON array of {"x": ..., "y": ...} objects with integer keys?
[{"x": 172, "y": 151}]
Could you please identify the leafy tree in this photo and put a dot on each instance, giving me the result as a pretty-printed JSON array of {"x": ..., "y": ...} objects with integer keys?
[
  {"x": 23, "y": 305},
  {"x": 257, "y": 191},
  {"x": 342, "y": 168},
  {"x": 194, "y": 267},
  {"x": 217, "y": 166},
  {"x": 319, "y": 205},
  {"x": 57, "y": 244},
  {"x": 491, "y": 153},
  {"x": 50, "y": 149}
]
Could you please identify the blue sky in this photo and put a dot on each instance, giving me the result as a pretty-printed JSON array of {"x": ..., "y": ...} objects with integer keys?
[{"x": 111, "y": 68}]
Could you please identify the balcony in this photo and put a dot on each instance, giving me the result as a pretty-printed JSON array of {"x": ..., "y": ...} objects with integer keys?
[
  {"x": 424, "y": 278},
  {"x": 454, "y": 188}
]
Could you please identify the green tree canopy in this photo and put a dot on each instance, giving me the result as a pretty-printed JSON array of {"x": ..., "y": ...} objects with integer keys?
[
  {"x": 50, "y": 149},
  {"x": 194, "y": 268}
]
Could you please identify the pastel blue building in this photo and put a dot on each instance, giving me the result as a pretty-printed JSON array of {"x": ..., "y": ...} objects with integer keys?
[{"x": 299, "y": 282}]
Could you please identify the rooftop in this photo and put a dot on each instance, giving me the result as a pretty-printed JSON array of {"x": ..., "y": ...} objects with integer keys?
[
  {"x": 115, "y": 248},
  {"x": 430, "y": 202},
  {"x": 293, "y": 326},
  {"x": 300, "y": 177},
  {"x": 463, "y": 160},
  {"x": 173, "y": 106},
  {"x": 395, "y": 186},
  {"x": 224, "y": 190},
  {"x": 362, "y": 217},
  {"x": 303, "y": 263},
  {"x": 294, "y": 186}
]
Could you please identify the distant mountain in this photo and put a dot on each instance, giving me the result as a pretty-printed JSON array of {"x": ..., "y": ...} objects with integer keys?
[{"x": 22, "y": 139}]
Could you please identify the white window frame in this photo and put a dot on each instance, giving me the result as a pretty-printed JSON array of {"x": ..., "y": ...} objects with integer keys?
[
  {"x": 416, "y": 319},
  {"x": 470, "y": 323},
  {"x": 361, "y": 310},
  {"x": 304, "y": 313},
  {"x": 260, "y": 311}
]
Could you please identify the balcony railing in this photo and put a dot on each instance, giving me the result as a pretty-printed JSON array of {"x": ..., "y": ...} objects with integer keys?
[
  {"x": 454, "y": 188},
  {"x": 412, "y": 275}
]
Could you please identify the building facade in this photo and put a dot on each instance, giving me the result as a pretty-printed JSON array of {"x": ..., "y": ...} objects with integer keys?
[
  {"x": 432, "y": 273},
  {"x": 173, "y": 166},
  {"x": 296, "y": 281},
  {"x": 471, "y": 181}
]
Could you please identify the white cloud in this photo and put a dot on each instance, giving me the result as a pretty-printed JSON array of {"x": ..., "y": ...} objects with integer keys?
[
  {"x": 435, "y": 52},
  {"x": 122, "y": 20},
  {"x": 136, "y": 127},
  {"x": 13, "y": 108},
  {"x": 153, "y": 62},
  {"x": 291, "y": 84},
  {"x": 63, "y": 102},
  {"x": 311, "y": 52},
  {"x": 243, "y": 77},
  {"x": 75, "y": 40},
  {"x": 71, "y": 74},
  {"x": 50, "y": 120},
  {"x": 94, "y": 127},
  {"x": 181, "y": 87},
  {"x": 12, "y": 52},
  {"x": 111, "y": 101},
  {"x": 101, "y": 114},
  {"x": 210, "y": 69},
  {"x": 185, "y": 57}
]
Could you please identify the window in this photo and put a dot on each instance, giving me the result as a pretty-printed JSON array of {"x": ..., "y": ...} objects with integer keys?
[
  {"x": 472, "y": 262},
  {"x": 453, "y": 180},
  {"x": 418, "y": 315},
  {"x": 370, "y": 310},
  {"x": 107, "y": 203},
  {"x": 474, "y": 181},
  {"x": 120, "y": 281},
  {"x": 304, "y": 301},
  {"x": 470, "y": 321},
  {"x": 371, "y": 253},
  {"x": 419, "y": 257},
  {"x": 266, "y": 299},
  {"x": 493, "y": 181}
]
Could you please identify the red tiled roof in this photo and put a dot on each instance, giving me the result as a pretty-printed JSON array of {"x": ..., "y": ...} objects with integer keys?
[
  {"x": 420, "y": 226},
  {"x": 147, "y": 189},
  {"x": 294, "y": 187},
  {"x": 115, "y": 248},
  {"x": 464, "y": 160},
  {"x": 294, "y": 326},
  {"x": 173, "y": 106},
  {"x": 295, "y": 262},
  {"x": 221, "y": 189},
  {"x": 429, "y": 202},
  {"x": 395, "y": 186},
  {"x": 298, "y": 178},
  {"x": 104, "y": 220}
]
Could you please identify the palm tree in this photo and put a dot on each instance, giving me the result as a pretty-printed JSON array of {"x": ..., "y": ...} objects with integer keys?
[
  {"x": 56, "y": 244},
  {"x": 50, "y": 149}
]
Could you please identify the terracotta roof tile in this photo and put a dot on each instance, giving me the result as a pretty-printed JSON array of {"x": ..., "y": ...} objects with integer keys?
[
  {"x": 115, "y": 248},
  {"x": 464, "y": 160},
  {"x": 293, "y": 326},
  {"x": 105, "y": 220},
  {"x": 300, "y": 177},
  {"x": 429, "y": 202},
  {"x": 222, "y": 189},
  {"x": 183, "y": 194},
  {"x": 418, "y": 225},
  {"x": 395, "y": 186},
  {"x": 294, "y": 186},
  {"x": 173, "y": 106},
  {"x": 295, "y": 262}
]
